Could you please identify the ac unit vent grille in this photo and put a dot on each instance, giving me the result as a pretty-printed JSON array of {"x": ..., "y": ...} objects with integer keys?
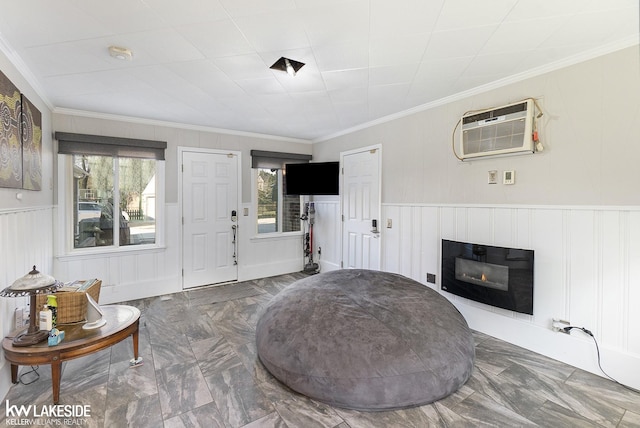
[
  {"x": 499, "y": 131},
  {"x": 502, "y": 136},
  {"x": 502, "y": 111}
]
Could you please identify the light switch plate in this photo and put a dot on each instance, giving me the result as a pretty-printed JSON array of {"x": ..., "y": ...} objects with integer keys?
[
  {"x": 509, "y": 177},
  {"x": 492, "y": 177}
]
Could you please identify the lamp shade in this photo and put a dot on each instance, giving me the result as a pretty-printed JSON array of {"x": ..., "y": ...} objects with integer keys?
[{"x": 32, "y": 283}]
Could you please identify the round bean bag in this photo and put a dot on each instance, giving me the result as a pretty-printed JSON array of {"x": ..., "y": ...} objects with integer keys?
[{"x": 365, "y": 340}]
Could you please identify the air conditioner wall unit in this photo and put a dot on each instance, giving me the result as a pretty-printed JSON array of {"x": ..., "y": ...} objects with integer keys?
[{"x": 505, "y": 130}]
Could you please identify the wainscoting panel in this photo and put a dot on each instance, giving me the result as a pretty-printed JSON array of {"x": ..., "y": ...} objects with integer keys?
[
  {"x": 631, "y": 294},
  {"x": 430, "y": 234},
  {"x": 550, "y": 293},
  {"x": 586, "y": 271},
  {"x": 26, "y": 239},
  {"x": 132, "y": 273},
  {"x": 583, "y": 268},
  {"x": 263, "y": 256},
  {"x": 391, "y": 248},
  {"x": 504, "y": 235},
  {"x": 327, "y": 231},
  {"x": 481, "y": 225},
  {"x": 416, "y": 244},
  {"x": 610, "y": 283}
]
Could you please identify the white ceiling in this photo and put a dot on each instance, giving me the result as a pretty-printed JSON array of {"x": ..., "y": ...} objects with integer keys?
[{"x": 206, "y": 62}]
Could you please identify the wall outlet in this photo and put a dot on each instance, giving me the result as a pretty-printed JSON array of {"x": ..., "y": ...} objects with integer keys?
[
  {"x": 559, "y": 325},
  {"x": 431, "y": 277}
]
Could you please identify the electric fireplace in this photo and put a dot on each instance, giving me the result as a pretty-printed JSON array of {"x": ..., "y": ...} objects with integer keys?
[{"x": 496, "y": 276}]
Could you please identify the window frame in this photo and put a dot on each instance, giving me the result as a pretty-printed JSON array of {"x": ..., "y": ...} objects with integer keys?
[
  {"x": 66, "y": 208},
  {"x": 280, "y": 213}
]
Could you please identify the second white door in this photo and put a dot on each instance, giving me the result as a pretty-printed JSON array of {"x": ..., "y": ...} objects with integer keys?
[
  {"x": 361, "y": 209},
  {"x": 209, "y": 201}
]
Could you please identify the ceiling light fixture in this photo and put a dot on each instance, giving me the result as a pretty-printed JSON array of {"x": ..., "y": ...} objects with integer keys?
[
  {"x": 287, "y": 65},
  {"x": 290, "y": 71},
  {"x": 122, "y": 54}
]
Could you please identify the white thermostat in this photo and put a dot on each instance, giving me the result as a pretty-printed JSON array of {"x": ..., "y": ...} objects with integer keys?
[{"x": 509, "y": 177}]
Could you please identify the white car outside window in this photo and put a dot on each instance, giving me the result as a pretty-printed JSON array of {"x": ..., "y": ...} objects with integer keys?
[{"x": 88, "y": 210}]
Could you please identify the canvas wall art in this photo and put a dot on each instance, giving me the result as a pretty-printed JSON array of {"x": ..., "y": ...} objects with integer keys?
[
  {"x": 31, "y": 131},
  {"x": 10, "y": 139}
]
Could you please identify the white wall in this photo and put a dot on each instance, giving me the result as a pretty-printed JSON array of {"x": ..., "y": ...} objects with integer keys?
[
  {"x": 25, "y": 224},
  {"x": 586, "y": 272},
  {"x": 589, "y": 130},
  {"x": 327, "y": 232},
  {"x": 576, "y": 204},
  {"x": 134, "y": 274}
]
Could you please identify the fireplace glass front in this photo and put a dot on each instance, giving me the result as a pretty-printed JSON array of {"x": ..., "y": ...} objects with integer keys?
[{"x": 497, "y": 276}]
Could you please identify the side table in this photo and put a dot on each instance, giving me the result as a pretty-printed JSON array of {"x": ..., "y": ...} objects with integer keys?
[{"x": 122, "y": 321}]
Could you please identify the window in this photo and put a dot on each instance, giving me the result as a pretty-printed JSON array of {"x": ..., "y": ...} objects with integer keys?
[
  {"x": 276, "y": 211},
  {"x": 96, "y": 222},
  {"x": 113, "y": 198}
]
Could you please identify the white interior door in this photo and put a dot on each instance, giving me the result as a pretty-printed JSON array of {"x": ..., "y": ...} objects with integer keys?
[
  {"x": 209, "y": 196},
  {"x": 361, "y": 209}
]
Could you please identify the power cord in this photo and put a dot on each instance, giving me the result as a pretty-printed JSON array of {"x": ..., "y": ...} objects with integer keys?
[
  {"x": 588, "y": 333},
  {"x": 34, "y": 369}
]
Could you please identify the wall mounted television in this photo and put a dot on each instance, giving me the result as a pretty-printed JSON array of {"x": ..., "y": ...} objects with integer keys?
[{"x": 320, "y": 178}]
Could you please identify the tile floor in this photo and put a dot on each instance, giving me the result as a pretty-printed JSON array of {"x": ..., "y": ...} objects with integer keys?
[{"x": 200, "y": 370}]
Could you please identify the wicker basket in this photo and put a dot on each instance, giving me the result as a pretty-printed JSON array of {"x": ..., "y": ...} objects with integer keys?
[{"x": 72, "y": 305}]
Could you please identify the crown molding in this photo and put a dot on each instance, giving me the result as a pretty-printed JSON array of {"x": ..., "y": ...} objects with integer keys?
[
  {"x": 566, "y": 62},
  {"x": 23, "y": 70},
  {"x": 154, "y": 122}
]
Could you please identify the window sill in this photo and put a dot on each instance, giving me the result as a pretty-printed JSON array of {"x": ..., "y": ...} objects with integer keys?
[{"x": 101, "y": 252}]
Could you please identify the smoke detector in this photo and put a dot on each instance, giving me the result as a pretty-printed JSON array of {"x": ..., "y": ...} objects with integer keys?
[{"x": 122, "y": 54}]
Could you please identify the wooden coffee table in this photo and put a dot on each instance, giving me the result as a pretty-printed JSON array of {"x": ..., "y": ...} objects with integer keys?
[{"x": 122, "y": 321}]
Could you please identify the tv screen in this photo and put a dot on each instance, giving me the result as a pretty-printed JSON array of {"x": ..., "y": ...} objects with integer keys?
[{"x": 321, "y": 178}]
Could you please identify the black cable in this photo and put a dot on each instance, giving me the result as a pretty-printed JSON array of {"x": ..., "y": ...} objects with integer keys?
[
  {"x": 587, "y": 332},
  {"x": 34, "y": 369}
]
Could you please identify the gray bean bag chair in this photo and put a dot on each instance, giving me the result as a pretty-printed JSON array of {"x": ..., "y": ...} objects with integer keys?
[{"x": 365, "y": 340}]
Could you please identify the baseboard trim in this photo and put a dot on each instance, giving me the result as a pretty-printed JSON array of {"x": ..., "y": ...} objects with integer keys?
[
  {"x": 575, "y": 349},
  {"x": 139, "y": 290},
  {"x": 248, "y": 273}
]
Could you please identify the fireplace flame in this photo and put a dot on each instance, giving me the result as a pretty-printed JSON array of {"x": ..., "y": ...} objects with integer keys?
[{"x": 484, "y": 278}]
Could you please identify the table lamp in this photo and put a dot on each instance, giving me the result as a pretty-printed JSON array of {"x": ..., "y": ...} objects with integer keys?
[{"x": 31, "y": 284}]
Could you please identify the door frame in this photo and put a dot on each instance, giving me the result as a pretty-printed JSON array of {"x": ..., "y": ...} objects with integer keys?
[
  {"x": 343, "y": 194},
  {"x": 181, "y": 150}
]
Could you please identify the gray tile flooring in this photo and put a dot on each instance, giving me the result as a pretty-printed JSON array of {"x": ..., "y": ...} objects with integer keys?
[{"x": 200, "y": 370}]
